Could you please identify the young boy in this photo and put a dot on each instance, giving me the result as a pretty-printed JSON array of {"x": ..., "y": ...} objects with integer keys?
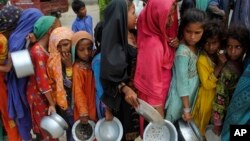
[{"x": 83, "y": 21}]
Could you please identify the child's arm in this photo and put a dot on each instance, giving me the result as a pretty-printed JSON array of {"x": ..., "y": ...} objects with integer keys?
[
  {"x": 221, "y": 62},
  {"x": 181, "y": 66},
  {"x": 80, "y": 95},
  {"x": 6, "y": 68}
]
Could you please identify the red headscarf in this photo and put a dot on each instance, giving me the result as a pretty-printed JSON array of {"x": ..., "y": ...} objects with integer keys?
[{"x": 155, "y": 57}]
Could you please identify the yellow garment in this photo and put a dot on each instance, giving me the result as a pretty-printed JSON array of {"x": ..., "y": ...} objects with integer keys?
[
  {"x": 203, "y": 106},
  {"x": 54, "y": 65},
  {"x": 3, "y": 49}
]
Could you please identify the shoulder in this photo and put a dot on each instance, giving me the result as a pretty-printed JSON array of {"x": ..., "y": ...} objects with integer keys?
[{"x": 182, "y": 50}]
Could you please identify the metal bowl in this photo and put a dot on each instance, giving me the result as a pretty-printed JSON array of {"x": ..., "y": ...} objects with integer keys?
[
  {"x": 188, "y": 131},
  {"x": 77, "y": 126},
  {"x": 108, "y": 130},
  {"x": 22, "y": 63},
  {"x": 160, "y": 131},
  {"x": 54, "y": 125}
]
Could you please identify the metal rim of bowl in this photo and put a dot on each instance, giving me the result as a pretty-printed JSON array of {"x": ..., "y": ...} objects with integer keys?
[
  {"x": 59, "y": 120},
  {"x": 166, "y": 123},
  {"x": 98, "y": 138},
  {"x": 46, "y": 118},
  {"x": 92, "y": 123}
]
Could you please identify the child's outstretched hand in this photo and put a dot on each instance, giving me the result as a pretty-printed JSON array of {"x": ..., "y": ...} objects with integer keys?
[
  {"x": 84, "y": 119},
  {"x": 187, "y": 116},
  {"x": 174, "y": 42},
  {"x": 108, "y": 114}
]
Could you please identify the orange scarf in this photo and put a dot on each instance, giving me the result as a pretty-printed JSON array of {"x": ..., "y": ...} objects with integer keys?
[{"x": 3, "y": 49}]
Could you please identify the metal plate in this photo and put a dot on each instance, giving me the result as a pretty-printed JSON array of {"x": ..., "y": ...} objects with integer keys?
[
  {"x": 148, "y": 112},
  {"x": 189, "y": 131}
]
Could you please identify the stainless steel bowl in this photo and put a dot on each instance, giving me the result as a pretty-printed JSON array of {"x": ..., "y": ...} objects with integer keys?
[
  {"x": 22, "y": 63},
  {"x": 109, "y": 130},
  {"x": 74, "y": 128},
  {"x": 54, "y": 125},
  {"x": 188, "y": 131},
  {"x": 160, "y": 131}
]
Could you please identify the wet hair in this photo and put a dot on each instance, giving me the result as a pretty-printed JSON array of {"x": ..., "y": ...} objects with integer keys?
[
  {"x": 98, "y": 36},
  {"x": 213, "y": 29},
  {"x": 192, "y": 15},
  {"x": 77, "y": 5},
  {"x": 240, "y": 33}
]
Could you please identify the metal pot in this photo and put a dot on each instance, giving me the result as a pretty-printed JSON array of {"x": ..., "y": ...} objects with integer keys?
[
  {"x": 188, "y": 131},
  {"x": 164, "y": 131},
  {"x": 22, "y": 63},
  {"x": 54, "y": 125}
]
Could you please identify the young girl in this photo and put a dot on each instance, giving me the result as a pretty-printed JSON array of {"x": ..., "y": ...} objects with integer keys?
[
  {"x": 235, "y": 49},
  {"x": 209, "y": 65},
  {"x": 238, "y": 111},
  {"x": 185, "y": 80},
  {"x": 59, "y": 69},
  {"x": 39, "y": 89},
  {"x": 83, "y": 80}
]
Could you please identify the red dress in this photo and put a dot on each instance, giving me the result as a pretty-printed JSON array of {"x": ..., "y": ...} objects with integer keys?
[{"x": 38, "y": 85}]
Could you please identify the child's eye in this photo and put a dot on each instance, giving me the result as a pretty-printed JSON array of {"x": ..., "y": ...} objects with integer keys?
[
  {"x": 90, "y": 48},
  {"x": 238, "y": 46}
]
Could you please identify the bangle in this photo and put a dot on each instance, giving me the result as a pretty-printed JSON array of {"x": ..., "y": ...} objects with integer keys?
[
  {"x": 186, "y": 110},
  {"x": 69, "y": 72},
  {"x": 121, "y": 86}
]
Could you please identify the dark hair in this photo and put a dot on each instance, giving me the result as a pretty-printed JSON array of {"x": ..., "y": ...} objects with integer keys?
[
  {"x": 240, "y": 33},
  {"x": 192, "y": 15},
  {"x": 213, "y": 29},
  {"x": 77, "y": 5},
  {"x": 185, "y": 5},
  {"x": 98, "y": 36}
]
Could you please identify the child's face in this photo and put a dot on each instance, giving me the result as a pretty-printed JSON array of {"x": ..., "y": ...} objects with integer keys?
[
  {"x": 84, "y": 49},
  {"x": 192, "y": 33},
  {"x": 234, "y": 49},
  {"x": 82, "y": 12},
  {"x": 212, "y": 45},
  {"x": 131, "y": 17},
  {"x": 171, "y": 15},
  {"x": 64, "y": 46}
]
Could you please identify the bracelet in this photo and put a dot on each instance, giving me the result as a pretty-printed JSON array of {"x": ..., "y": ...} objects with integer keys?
[
  {"x": 69, "y": 72},
  {"x": 186, "y": 110},
  {"x": 121, "y": 86}
]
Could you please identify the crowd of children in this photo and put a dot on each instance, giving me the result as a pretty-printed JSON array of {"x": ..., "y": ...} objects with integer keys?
[{"x": 186, "y": 70}]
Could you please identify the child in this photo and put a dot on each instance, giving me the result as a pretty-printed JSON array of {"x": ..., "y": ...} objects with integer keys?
[
  {"x": 185, "y": 80},
  {"x": 235, "y": 49},
  {"x": 83, "y": 80},
  {"x": 59, "y": 69},
  {"x": 83, "y": 22},
  {"x": 209, "y": 65},
  {"x": 39, "y": 86},
  {"x": 96, "y": 66}
]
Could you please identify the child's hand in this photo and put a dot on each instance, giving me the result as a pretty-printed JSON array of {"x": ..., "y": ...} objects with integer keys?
[
  {"x": 108, "y": 115},
  {"x": 84, "y": 119},
  {"x": 131, "y": 97},
  {"x": 222, "y": 59},
  {"x": 174, "y": 42},
  {"x": 187, "y": 116},
  {"x": 66, "y": 59},
  {"x": 51, "y": 110}
]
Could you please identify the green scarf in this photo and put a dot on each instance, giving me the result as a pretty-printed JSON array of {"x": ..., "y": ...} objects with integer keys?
[
  {"x": 43, "y": 25},
  {"x": 202, "y": 4}
]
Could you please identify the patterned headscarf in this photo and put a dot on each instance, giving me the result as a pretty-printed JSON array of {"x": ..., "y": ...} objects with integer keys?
[
  {"x": 9, "y": 17},
  {"x": 3, "y": 49},
  {"x": 76, "y": 38},
  {"x": 54, "y": 65}
]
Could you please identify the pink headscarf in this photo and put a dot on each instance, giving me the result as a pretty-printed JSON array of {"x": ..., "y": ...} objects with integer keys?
[{"x": 155, "y": 57}]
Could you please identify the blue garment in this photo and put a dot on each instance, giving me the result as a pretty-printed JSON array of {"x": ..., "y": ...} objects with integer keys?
[
  {"x": 84, "y": 24},
  {"x": 238, "y": 112},
  {"x": 18, "y": 107},
  {"x": 96, "y": 67},
  {"x": 184, "y": 82}
]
